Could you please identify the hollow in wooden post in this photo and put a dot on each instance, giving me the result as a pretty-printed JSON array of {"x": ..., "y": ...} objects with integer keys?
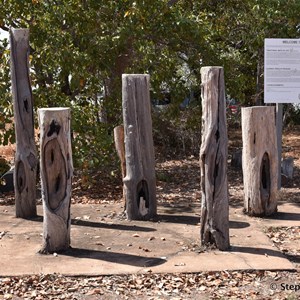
[
  {"x": 139, "y": 183},
  {"x": 214, "y": 222},
  {"x": 26, "y": 155},
  {"x": 56, "y": 177},
  {"x": 260, "y": 160}
]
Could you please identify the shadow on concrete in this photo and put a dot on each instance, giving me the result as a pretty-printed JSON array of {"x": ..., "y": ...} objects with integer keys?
[
  {"x": 285, "y": 216},
  {"x": 114, "y": 257},
  {"x": 179, "y": 208},
  {"x": 258, "y": 251},
  {"x": 37, "y": 219},
  {"x": 111, "y": 226},
  {"x": 293, "y": 257},
  {"x": 76, "y": 222},
  {"x": 178, "y": 219},
  {"x": 238, "y": 224},
  {"x": 194, "y": 220}
]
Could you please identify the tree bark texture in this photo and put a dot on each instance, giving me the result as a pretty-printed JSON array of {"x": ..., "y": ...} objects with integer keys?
[
  {"x": 214, "y": 223},
  {"x": 140, "y": 182},
  {"x": 56, "y": 177},
  {"x": 260, "y": 160},
  {"x": 26, "y": 153},
  {"x": 120, "y": 147}
]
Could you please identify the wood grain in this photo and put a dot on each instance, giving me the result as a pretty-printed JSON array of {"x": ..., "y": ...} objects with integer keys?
[{"x": 214, "y": 222}]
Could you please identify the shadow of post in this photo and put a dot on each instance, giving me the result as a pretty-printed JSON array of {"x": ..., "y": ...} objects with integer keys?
[{"x": 114, "y": 257}]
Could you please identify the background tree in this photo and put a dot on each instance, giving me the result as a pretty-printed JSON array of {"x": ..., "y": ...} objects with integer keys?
[{"x": 80, "y": 48}]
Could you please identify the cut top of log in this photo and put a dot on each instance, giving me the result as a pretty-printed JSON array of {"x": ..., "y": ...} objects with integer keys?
[
  {"x": 54, "y": 109},
  {"x": 204, "y": 69},
  {"x": 56, "y": 119},
  {"x": 55, "y": 112}
]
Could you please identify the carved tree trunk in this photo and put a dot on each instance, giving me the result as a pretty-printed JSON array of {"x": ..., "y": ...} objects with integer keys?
[
  {"x": 260, "y": 160},
  {"x": 26, "y": 154},
  {"x": 56, "y": 177},
  {"x": 139, "y": 183},
  {"x": 214, "y": 223},
  {"x": 120, "y": 147}
]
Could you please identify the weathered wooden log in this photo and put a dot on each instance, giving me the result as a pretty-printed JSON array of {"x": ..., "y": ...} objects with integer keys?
[
  {"x": 120, "y": 147},
  {"x": 56, "y": 177},
  {"x": 26, "y": 154},
  {"x": 260, "y": 160},
  {"x": 214, "y": 222},
  {"x": 140, "y": 182}
]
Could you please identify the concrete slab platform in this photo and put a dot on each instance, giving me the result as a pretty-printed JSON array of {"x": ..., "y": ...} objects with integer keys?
[{"x": 104, "y": 243}]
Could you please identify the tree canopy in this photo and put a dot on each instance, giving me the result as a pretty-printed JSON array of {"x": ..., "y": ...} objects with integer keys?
[{"x": 80, "y": 48}]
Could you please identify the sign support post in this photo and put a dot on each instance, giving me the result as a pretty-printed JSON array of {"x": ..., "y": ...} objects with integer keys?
[{"x": 279, "y": 114}]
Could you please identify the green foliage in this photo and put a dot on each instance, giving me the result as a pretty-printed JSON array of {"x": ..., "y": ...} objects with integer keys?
[
  {"x": 291, "y": 114},
  {"x": 88, "y": 134},
  {"x": 177, "y": 131},
  {"x": 6, "y": 109},
  {"x": 80, "y": 49},
  {"x": 4, "y": 166}
]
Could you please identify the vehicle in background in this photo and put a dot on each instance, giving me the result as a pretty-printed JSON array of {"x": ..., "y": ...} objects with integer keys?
[{"x": 232, "y": 106}]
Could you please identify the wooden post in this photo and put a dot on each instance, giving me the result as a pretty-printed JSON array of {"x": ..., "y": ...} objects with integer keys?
[
  {"x": 139, "y": 183},
  {"x": 260, "y": 160},
  {"x": 214, "y": 223},
  {"x": 120, "y": 147},
  {"x": 26, "y": 154},
  {"x": 279, "y": 114},
  {"x": 56, "y": 177}
]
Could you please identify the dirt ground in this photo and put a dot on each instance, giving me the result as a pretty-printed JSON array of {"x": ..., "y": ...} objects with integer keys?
[{"x": 178, "y": 183}]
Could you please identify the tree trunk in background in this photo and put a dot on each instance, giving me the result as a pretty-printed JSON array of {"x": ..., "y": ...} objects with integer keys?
[
  {"x": 26, "y": 154},
  {"x": 139, "y": 183},
  {"x": 214, "y": 227},
  {"x": 120, "y": 147},
  {"x": 113, "y": 82},
  {"x": 260, "y": 160},
  {"x": 56, "y": 177}
]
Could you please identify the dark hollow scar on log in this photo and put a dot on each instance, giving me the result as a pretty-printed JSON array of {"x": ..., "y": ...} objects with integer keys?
[
  {"x": 143, "y": 197},
  {"x": 265, "y": 184},
  {"x": 56, "y": 174},
  {"x": 26, "y": 104},
  {"x": 54, "y": 128},
  {"x": 21, "y": 177},
  {"x": 217, "y": 135}
]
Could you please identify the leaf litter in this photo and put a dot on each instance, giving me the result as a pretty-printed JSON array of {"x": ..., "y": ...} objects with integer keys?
[
  {"x": 178, "y": 183},
  {"x": 206, "y": 285}
]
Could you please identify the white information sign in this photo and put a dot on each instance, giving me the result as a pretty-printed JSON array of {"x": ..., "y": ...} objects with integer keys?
[{"x": 282, "y": 71}]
